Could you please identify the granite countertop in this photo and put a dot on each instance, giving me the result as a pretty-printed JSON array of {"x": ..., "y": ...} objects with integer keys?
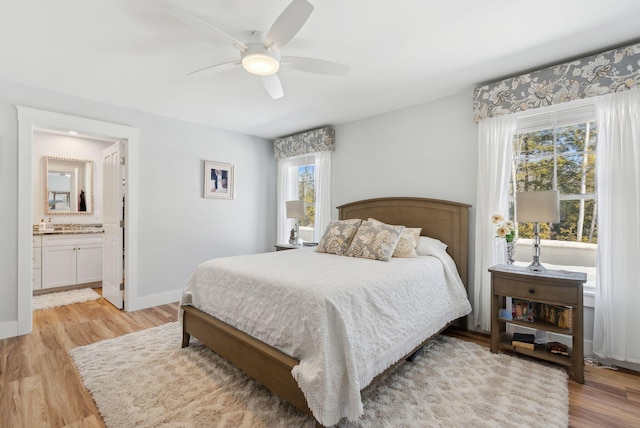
[
  {"x": 67, "y": 232},
  {"x": 69, "y": 229}
]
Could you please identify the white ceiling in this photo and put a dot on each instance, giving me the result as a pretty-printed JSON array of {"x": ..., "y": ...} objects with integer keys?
[{"x": 132, "y": 53}]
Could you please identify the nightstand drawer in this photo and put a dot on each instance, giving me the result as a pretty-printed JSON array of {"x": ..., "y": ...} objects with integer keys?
[{"x": 533, "y": 290}]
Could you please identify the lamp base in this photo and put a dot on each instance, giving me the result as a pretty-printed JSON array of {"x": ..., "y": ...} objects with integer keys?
[
  {"x": 294, "y": 236},
  {"x": 535, "y": 266}
]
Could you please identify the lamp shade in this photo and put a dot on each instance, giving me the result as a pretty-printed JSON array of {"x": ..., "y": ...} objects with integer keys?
[
  {"x": 295, "y": 209},
  {"x": 538, "y": 207}
]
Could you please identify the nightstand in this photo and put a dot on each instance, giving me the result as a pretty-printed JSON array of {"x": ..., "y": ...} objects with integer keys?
[
  {"x": 282, "y": 247},
  {"x": 551, "y": 287}
]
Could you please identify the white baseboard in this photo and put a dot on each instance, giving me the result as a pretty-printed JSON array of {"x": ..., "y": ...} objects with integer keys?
[
  {"x": 8, "y": 329},
  {"x": 588, "y": 350},
  {"x": 159, "y": 299},
  {"x": 588, "y": 347}
]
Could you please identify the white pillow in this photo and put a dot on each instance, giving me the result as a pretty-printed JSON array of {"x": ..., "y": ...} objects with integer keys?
[{"x": 430, "y": 246}]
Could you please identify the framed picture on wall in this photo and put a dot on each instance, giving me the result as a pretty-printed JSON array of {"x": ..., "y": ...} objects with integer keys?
[{"x": 218, "y": 180}]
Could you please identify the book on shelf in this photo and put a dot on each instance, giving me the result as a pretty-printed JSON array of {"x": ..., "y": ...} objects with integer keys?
[
  {"x": 525, "y": 345},
  {"x": 524, "y": 337},
  {"x": 522, "y": 310},
  {"x": 558, "y": 348},
  {"x": 525, "y": 310},
  {"x": 523, "y": 340},
  {"x": 560, "y": 316}
]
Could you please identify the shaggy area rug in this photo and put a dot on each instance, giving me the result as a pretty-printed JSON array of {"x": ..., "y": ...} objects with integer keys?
[
  {"x": 51, "y": 300},
  {"x": 145, "y": 379}
]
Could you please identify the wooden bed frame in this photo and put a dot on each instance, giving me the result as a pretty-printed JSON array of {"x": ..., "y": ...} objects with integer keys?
[{"x": 443, "y": 220}]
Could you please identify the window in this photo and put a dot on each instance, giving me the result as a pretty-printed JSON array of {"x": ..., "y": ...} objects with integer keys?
[
  {"x": 308, "y": 178},
  {"x": 307, "y": 193},
  {"x": 561, "y": 158},
  {"x": 556, "y": 151}
]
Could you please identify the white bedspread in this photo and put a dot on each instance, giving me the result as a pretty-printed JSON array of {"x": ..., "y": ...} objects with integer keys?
[{"x": 346, "y": 319}]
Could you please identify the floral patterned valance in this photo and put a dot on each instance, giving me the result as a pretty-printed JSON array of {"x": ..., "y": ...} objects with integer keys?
[
  {"x": 612, "y": 71},
  {"x": 318, "y": 140}
]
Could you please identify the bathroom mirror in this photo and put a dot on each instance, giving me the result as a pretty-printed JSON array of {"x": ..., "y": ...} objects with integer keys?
[{"x": 68, "y": 186}]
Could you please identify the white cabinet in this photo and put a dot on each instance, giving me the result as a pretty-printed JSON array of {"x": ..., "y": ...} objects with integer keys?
[
  {"x": 89, "y": 262},
  {"x": 37, "y": 263},
  {"x": 71, "y": 259}
]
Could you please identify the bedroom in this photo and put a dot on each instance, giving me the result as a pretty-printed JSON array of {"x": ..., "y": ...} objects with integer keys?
[{"x": 175, "y": 227}]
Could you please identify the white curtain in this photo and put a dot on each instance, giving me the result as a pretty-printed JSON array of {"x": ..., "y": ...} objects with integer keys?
[
  {"x": 495, "y": 149},
  {"x": 288, "y": 191},
  {"x": 617, "y": 313},
  {"x": 323, "y": 193}
]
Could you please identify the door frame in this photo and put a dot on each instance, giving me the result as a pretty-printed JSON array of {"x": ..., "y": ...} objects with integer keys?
[{"x": 29, "y": 120}]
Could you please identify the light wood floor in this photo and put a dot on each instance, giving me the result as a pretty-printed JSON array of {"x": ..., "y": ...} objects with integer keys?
[{"x": 39, "y": 385}]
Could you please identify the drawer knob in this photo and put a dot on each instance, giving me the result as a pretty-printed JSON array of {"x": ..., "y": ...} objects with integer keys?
[{"x": 532, "y": 291}]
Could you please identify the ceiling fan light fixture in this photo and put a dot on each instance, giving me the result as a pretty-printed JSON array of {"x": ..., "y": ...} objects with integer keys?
[{"x": 260, "y": 64}]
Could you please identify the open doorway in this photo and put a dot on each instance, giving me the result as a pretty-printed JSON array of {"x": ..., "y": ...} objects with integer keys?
[
  {"x": 30, "y": 121},
  {"x": 68, "y": 181}
]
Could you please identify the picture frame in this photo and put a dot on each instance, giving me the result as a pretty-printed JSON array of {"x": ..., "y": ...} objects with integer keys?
[{"x": 217, "y": 180}]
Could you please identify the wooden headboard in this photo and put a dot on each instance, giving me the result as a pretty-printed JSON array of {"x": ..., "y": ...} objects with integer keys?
[{"x": 443, "y": 220}]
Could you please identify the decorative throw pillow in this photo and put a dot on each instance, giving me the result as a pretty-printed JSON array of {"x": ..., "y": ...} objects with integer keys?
[
  {"x": 375, "y": 241},
  {"x": 338, "y": 236},
  {"x": 430, "y": 246},
  {"x": 408, "y": 241}
]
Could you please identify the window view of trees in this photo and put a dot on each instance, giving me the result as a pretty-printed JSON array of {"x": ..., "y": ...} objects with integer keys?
[
  {"x": 307, "y": 193},
  {"x": 562, "y": 158}
]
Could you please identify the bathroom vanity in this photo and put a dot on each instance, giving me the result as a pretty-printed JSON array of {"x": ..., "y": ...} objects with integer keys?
[{"x": 67, "y": 257}]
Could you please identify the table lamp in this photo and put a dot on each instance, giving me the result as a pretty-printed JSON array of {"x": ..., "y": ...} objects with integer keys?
[
  {"x": 295, "y": 210},
  {"x": 537, "y": 207}
]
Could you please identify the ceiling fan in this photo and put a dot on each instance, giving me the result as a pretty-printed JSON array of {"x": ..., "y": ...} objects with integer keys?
[{"x": 261, "y": 54}]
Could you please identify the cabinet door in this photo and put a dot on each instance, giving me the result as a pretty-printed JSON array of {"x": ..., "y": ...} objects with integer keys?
[
  {"x": 37, "y": 258},
  {"x": 58, "y": 266},
  {"x": 89, "y": 263},
  {"x": 37, "y": 279}
]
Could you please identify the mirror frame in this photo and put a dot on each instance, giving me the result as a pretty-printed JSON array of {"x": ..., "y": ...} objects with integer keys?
[{"x": 90, "y": 198}]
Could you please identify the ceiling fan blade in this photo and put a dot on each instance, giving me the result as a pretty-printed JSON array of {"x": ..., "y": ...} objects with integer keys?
[
  {"x": 198, "y": 23},
  {"x": 312, "y": 65},
  {"x": 273, "y": 86},
  {"x": 288, "y": 24},
  {"x": 215, "y": 68}
]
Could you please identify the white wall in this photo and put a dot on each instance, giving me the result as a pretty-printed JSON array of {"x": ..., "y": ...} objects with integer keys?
[
  {"x": 425, "y": 151},
  {"x": 178, "y": 228},
  {"x": 428, "y": 151}
]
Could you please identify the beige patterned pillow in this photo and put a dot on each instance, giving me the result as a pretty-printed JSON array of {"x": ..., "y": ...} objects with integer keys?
[
  {"x": 338, "y": 236},
  {"x": 375, "y": 241},
  {"x": 408, "y": 241}
]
